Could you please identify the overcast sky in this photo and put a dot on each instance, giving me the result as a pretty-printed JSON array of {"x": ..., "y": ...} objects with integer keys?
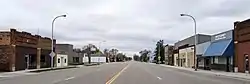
[{"x": 129, "y": 25}]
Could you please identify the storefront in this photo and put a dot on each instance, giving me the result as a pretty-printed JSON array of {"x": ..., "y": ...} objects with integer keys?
[
  {"x": 219, "y": 54},
  {"x": 242, "y": 46},
  {"x": 184, "y": 50},
  {"x": 200, "y": 50},
  {"x": 186, "y": 56}
]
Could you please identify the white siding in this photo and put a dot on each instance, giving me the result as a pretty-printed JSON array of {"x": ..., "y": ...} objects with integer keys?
[
  {"x": 61, "y": 60},
  {"x": 95, "y": 59}
]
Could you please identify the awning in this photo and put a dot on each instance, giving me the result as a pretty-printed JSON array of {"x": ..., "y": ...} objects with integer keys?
[{"x": 220, "y": 48}]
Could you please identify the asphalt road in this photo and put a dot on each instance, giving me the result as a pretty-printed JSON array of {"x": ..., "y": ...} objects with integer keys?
[{"x": 122, "y": 73}]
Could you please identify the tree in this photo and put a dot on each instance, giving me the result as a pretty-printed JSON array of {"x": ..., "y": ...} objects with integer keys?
[
  {"x": 144, "y": 55},
  {"x": 106, "y": 53},
  {"x": 113, "y": 55},
  {"x": 159, "y": 52},
  {"x": 90, "y": 49},
  {"x": 136, "y": 57}
]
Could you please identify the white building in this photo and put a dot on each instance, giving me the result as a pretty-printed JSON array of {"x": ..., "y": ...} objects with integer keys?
[
  {"x": 61, "y": 60},
  {"x": 95, "y": 58}
]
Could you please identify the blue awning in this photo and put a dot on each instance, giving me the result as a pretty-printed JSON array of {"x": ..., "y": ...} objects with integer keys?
[{"x": 220, "y": 48}]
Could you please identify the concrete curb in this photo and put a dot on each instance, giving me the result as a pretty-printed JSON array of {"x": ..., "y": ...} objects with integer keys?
[
  {"x": 225, "y": 74},
  {"x": 52, "y": 69}
]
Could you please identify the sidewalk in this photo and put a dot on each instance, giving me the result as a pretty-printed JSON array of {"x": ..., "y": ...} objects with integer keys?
[
  {"x": 213, "y": 72},
  {"x": 27, "y": 72}
]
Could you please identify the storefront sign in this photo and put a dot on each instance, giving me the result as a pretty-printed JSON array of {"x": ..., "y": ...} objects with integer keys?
[{"x": 220, "y": 36}]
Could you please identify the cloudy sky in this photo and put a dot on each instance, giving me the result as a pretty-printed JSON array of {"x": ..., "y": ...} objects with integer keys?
[{"x": 129, "y": 25}]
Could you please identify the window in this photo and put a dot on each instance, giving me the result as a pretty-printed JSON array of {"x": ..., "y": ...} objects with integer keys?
[
  {"x": 65, "y": 60},
  {"x": 76, "y": 59},
  {"x": 42, "y": 58},
  {"x": 222, "y": 60},
  {"x": 212, "y": 60},
  {"x": 58, "y": 60},
  {"x": 216, "y": 60}
]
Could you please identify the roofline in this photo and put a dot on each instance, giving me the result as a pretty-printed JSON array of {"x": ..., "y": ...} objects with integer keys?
[{"x": 223, "y": 32}]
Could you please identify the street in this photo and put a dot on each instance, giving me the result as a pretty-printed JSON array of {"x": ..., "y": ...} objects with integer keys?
[{"x": 121, "y": 73}]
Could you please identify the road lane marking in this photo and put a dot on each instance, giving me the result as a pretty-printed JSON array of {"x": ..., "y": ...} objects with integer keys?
[
  {"x": 159, "y": 78},
  {"x": 57, "y": 81},
  {"x": 116, "y": 75},
  {"x": 69, "y": 78}
]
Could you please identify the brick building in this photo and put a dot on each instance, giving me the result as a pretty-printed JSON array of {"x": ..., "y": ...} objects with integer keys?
[
  {"x": 242, "y": 45},
  {"x": 22, "y": 50}
]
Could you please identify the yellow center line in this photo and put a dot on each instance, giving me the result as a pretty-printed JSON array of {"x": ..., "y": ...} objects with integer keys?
[{"x": 116, "y": 75}]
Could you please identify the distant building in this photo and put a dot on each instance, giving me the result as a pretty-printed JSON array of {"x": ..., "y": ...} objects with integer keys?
[
  {"x": 95, "y": 58},
  {"x": 75, "y": 56},
  {"x": 169, "y": 59}
]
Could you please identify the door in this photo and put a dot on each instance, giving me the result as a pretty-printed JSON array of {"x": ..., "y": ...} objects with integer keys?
[
  {"x": 59, "y": 62},
  {"x": 207, "y": 63},
  {"x": 246, "y": 63},
  {"x": 62, "y": 62},
  {"x": 27, "y": 60}
]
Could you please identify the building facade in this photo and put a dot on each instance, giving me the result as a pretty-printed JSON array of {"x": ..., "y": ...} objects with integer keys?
[
  {"x": 95, "y": 58},
  {"x": 66, "y": 49},
  {"x": 186, "y": 57},
  {"x": 22, "y": 50},
  {"x": 169, "y": 59},
  {"x": 219, "y": 54},
  {"x": 184, "y": 50},
  {"x": 242, "y": 45},
  {"x": 200, "y": 50},
  {"x": 61, "y": 60}
]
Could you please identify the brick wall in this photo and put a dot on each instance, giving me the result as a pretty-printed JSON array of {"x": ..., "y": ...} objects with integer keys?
[
  {"x": 23, "y": 39},
  {"x": 5, "y": 54},
  {"x": 4, "y": 38},
  {"x": 242, "y": 43}
]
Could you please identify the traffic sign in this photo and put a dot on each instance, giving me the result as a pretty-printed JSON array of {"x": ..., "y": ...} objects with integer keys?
[{"x": 52, "y": 54}]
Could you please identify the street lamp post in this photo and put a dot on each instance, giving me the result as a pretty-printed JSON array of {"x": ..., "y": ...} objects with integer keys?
[
  {"x": 100, "y": 50},
  {"x": 52, "y": 54},
  {"x": 195, "y": 39}
]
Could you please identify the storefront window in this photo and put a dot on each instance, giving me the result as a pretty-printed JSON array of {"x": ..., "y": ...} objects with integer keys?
[
  {"x": 212, "y": 60},
  {"x": 216, "y": 60}
]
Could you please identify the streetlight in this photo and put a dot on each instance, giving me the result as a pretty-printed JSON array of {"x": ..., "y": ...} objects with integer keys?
[
  {"x": 100, "y": 50},
  {"x": 52, "y": 54},
  {"x": 195, "y": 39}
]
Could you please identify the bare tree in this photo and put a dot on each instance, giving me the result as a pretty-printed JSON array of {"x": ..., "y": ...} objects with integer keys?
[{"x": 89, "y": 49}]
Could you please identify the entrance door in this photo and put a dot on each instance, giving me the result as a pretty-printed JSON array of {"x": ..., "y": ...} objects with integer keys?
[
  {"x": 27, "y": 61},
  {"x": 207, "y": 63},
  {"x": 62, "y": 62},
  {"x": 246, "y": 63}
]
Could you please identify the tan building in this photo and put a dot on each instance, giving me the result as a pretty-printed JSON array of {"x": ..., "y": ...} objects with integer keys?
[{"x": 186, "y": 57}]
